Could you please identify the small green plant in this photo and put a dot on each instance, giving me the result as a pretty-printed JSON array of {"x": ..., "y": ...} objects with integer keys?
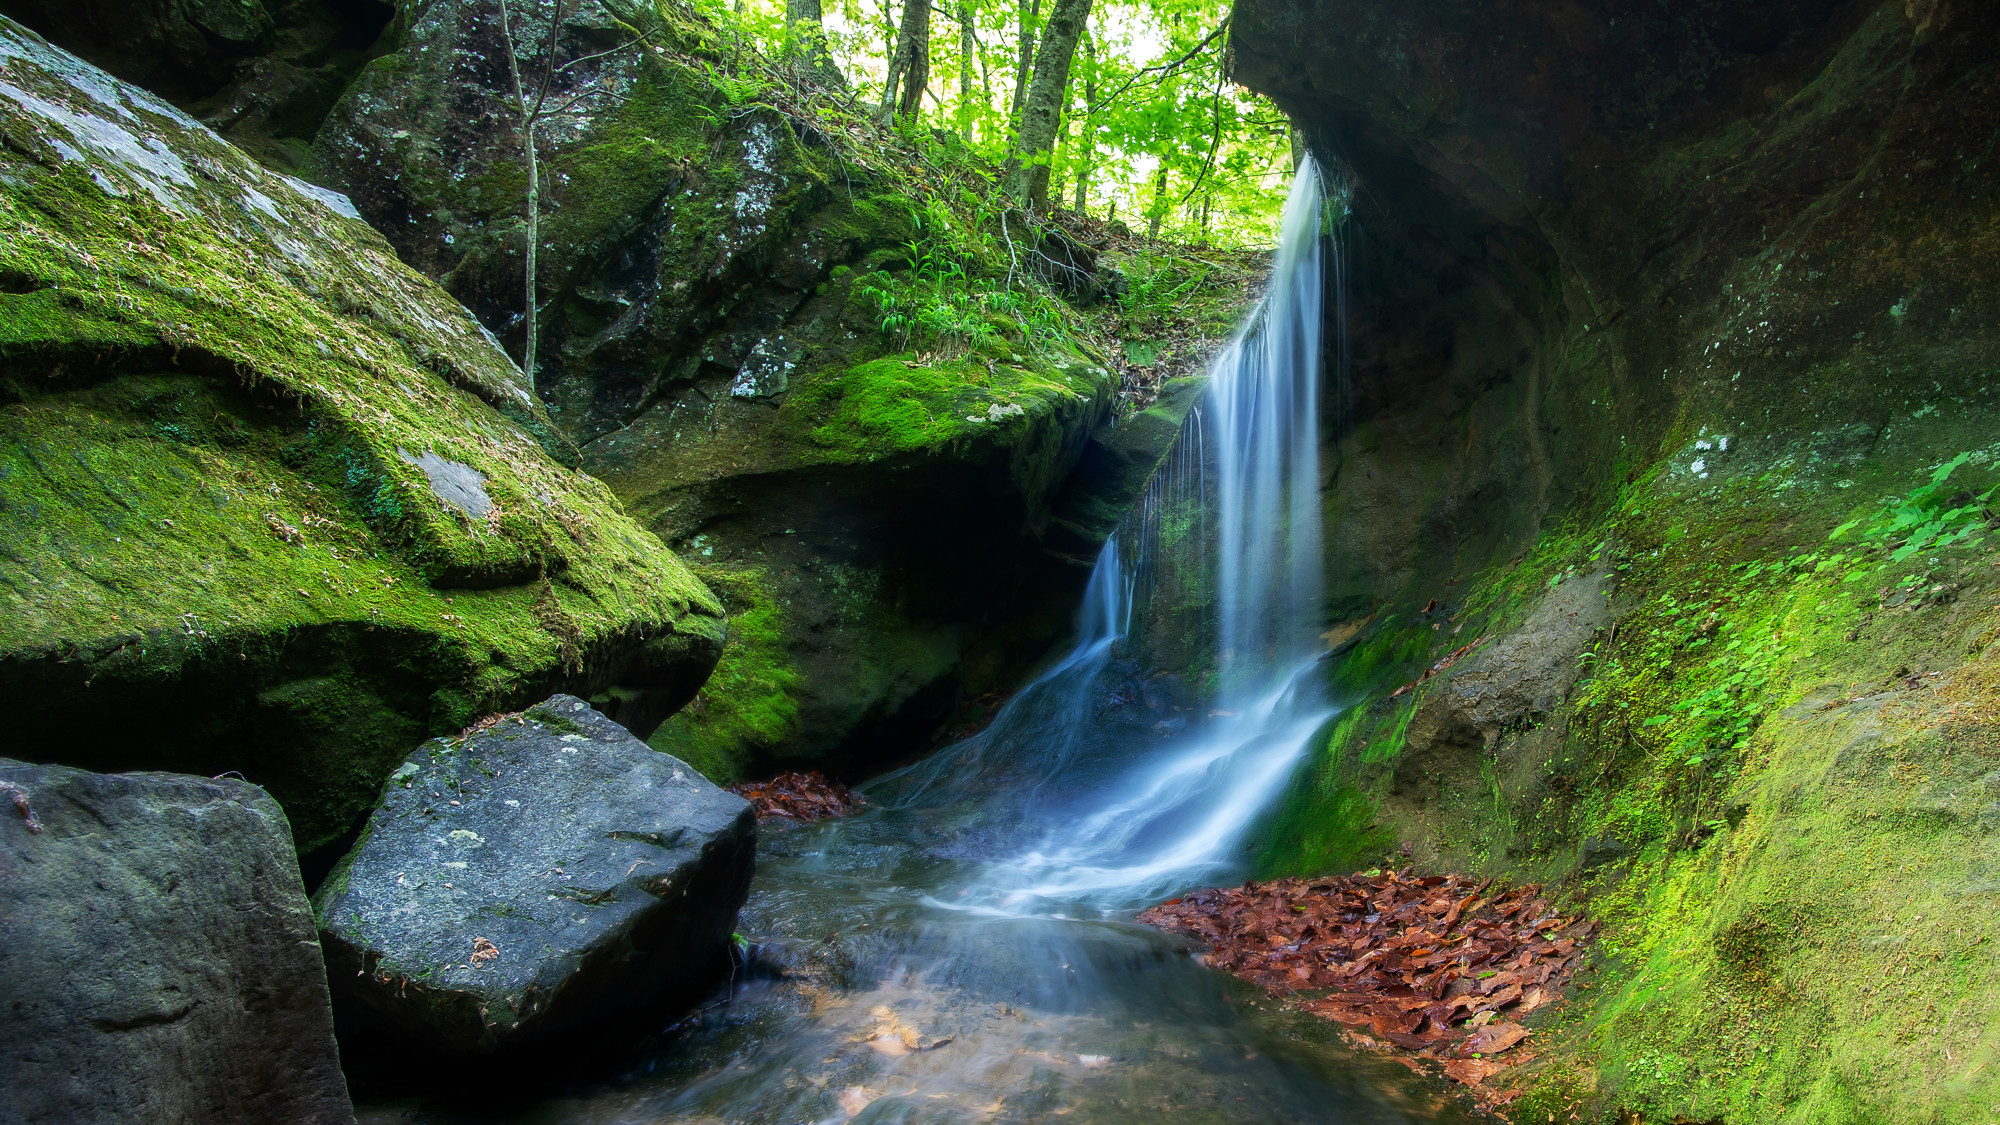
[
  {"x": 961, "y": 284},
  {"x": 1156, "y": 287},
  {"x": 1928, "y": 517}
]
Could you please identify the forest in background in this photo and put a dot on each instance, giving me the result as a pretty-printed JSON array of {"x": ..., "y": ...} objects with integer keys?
[{"x": 1121, "y": 110}]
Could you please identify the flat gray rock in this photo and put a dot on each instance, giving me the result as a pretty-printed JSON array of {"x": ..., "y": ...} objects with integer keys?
[
  {"x": 157, "y": 954},
  {"x": 550, "y": 874}
]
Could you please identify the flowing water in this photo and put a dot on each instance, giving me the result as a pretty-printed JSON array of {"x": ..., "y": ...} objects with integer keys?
[{"x": 964, "y": 951}]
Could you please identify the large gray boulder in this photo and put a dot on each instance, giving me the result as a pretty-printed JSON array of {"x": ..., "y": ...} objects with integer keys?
[
  {"x": 547, "y": 876},
  {"x": 158, "y": 955}
]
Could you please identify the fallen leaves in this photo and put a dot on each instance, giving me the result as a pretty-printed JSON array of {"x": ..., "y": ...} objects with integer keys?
[
  {"x": 894, "y": 1038},
  {"x": 484, "y": 950},
  {"x": 803, "y": 797},
  {"x": 1440, "y": 965}
]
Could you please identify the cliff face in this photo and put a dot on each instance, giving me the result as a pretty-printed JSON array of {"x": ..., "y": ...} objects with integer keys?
[{"x": 1692, "y": 308}]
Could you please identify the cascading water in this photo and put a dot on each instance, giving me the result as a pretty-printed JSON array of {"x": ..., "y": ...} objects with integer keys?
[
  {"x": 963, "y": 951},
  {"x": 1238, "y": 503}
]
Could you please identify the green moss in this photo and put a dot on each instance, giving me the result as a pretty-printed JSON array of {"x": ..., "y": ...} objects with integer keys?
[
  {"x": 748, "y": 706},
  {"x": 900, "y": 404},
  {"x": 215, "y": 393},
  {"x": 1326, "y": 823}
]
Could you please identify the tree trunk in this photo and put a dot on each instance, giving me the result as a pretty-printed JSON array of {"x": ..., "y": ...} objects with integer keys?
[
  {"x": 1088, "y": 136},
  {"x": 967, "y": 48},
  {"x": 911, "y": 66},
  {"x": 807, "y": 25},
  {"x": 1041, "y": 113},
  {"x": 530, "y": 157},
  {"x": 1030, "y": 10},
  {"x": 534, "y": 246},
  {"x": 1159, "y": 207},
  {"x": 1054, "y": 190}
]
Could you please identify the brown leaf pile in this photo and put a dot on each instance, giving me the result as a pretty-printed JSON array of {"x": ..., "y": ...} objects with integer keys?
[
  {"x": 803, "y": 797},
  {"x": 1435, "y": 964}
]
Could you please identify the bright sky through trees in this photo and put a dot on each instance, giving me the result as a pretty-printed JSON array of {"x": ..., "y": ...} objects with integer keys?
[{"x": 1151, "y": 126}]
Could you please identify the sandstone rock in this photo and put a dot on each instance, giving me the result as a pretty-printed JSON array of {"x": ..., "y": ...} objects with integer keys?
[
  {"x": 549, "y": 876},
  {"x": 159, "y": 957},
  {"x": 257, "y": 474}
]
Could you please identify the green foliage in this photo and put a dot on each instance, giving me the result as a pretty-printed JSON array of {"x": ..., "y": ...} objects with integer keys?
[
  {"x": 964, "y": 285},
  {"x": 1147, "y": 93},
  {"x": 1157, "y": 287},
  {"x": 1931, "y": 516}
]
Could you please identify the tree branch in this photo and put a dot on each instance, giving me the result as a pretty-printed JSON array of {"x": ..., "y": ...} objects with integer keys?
[{"x": 1164, "y": 68}]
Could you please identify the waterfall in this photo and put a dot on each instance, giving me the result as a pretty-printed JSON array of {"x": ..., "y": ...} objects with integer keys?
[{"x": 1126, "y": 811}]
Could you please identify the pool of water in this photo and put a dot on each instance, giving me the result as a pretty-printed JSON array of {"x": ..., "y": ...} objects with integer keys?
[{"x": 958, "y": 953}]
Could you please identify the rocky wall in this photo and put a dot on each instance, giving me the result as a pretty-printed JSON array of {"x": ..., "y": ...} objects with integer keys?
[{"x": 1679, "y": 311}]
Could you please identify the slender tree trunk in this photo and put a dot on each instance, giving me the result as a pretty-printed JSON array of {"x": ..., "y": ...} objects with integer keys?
[
  {"x": 807, "y": 24},
  {"x": 530, "y": 158},
  {"x": 530, "y": 271},
  {"x": 967, "y": 48},
  {"x": 1159, "y": 207},
  {"x": 1041, "y": 113},
  {"x": 1054, "y": 190},
  {"x": 1088, "y": 137},
  {"x": 911, "y": 66},
  {"x": 1030, "y": 10}
]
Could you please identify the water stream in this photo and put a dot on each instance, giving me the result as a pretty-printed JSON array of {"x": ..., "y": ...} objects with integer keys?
[{"x": 964, "y": 951}]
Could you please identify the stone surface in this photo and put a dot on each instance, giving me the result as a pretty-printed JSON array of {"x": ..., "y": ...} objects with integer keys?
[
  {"x": 1515, "y": 685},
  {"x": 548, "y": 877},
  {"x": 257, "y": 474},
  {"x": 159, "y": 959}
]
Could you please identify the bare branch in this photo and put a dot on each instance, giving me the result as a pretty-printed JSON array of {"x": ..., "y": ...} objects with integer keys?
[{"x": 1163, "y": 68}]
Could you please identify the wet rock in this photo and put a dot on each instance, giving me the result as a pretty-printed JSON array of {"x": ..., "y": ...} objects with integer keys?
[
  {"x": 546, "y": 877},
  {"x": 261, "y": 75},
  {"x": 159, "y": 958}
]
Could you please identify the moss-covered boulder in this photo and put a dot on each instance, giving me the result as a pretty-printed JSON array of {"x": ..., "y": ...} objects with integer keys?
[
  {"x": 892, "y": 521},
  {"x": 270, "y": 501},
  {"x": 1700, "y": 303}
]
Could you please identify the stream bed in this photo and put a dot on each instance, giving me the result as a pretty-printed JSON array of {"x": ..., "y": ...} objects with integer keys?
[{"x": 929, "y": 978}]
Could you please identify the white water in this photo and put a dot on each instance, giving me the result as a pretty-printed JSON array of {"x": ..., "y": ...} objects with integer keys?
[{"x": 1246, "y": 467}]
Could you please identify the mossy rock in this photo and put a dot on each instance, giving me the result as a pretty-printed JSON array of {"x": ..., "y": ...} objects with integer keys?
[
  {"x": 272, "y": 502},
  {"x": 899, "y": 523}
]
